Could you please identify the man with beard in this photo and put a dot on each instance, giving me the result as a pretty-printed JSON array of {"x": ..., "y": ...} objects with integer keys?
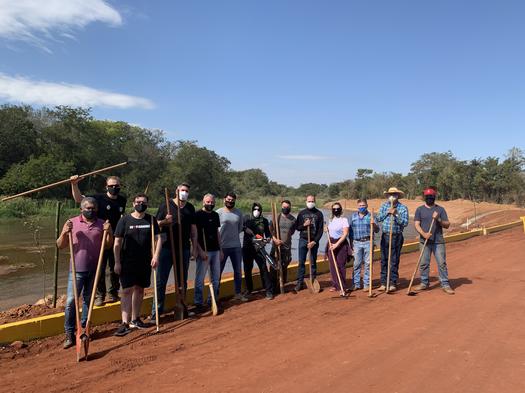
[{"x": 435, "y": 243}]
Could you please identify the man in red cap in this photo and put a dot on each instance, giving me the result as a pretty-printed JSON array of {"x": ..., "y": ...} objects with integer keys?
[{"x": 426, "y": 216}]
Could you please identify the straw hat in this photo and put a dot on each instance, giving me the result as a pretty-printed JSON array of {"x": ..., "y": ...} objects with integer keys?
[{"x": 394, "y": 190}]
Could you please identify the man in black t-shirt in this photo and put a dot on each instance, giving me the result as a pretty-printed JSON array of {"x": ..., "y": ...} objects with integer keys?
[
  {"x": 189, "y": 241},
  {"x": 209, "y": 252},
  {"x": 435, "y": 242},
  {"x": 134, "y": 260},
  {"x": 111, "y": 206}
]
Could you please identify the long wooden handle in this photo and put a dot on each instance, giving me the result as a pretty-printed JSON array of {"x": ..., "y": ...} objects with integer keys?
[
  {"x": 341, "y": 289},
  {"x": 74, "y": 280},
  {"x": 62, "y": 182},
  {"x": 155, "y": 295},
  {"x": 389, "y": 248},
  {"x": 181, "y": 262},
  {"x": 172, "y": 248},
  {"x": 97, "y": 276},
  {"x": 371, "y": 257},
  {"x": 419, "y": 259}
]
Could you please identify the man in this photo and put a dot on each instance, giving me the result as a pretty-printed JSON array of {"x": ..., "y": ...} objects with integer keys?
[
  {"x": 231, "y": 226},
  {"x": 395, "y": 211},
  {"x": 256, "y": 226},
  {"x": 134, "y": 260},
  {"x": 209, "y": 239},
  {"x": 189, "y": 232},
  {"x": 86, "y": 230},
  {"x": 111, "y": 206},
  {"x": 286, "y": 230},
  {"x": 360, "y": 240},
  {"x": 312, "y": 218},
  {"x": 423, "y": 218}
]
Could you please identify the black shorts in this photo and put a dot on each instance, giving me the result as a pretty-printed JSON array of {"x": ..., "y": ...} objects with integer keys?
[{"x": 135, "y": 273}]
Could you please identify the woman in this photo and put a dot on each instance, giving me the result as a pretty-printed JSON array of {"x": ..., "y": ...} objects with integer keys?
[{"x": 337, "y": 232}]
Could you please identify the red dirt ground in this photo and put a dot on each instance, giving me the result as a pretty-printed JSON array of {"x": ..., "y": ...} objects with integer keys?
[{"x": 473, "y": 341}]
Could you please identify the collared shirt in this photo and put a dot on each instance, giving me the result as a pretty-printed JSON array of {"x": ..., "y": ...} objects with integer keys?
[
  {"x": 360, "y": 226},
  {"x": 400, "y": 219},
  {"x": 87, "y": 239}
]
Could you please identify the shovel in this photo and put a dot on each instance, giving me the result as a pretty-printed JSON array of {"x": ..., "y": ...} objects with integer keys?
[
  {"x": 214, "y": 308},
  {"x": 78, "y": 329},
  {"x": 342, "y": 292},
  {"x": 409, "y": 292},
  {"x": 155, "y": 293},
  {"x": 312, "y": 283}
]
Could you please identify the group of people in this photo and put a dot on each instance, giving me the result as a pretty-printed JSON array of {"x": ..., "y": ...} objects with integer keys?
[{"x": 137, "y": 242}]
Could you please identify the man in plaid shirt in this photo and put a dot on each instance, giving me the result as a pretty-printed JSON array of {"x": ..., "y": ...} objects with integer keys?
[{"x": 394, "y": 210}]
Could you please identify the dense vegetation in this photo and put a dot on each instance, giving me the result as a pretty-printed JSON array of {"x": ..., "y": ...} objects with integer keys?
[{"x": 40, "y": 146}]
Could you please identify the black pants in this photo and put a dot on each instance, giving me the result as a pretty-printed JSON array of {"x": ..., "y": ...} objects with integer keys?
[
  {"x": 397, "y": 244},
  {"x": 286, "y": 258},
  {"x": 248, "y": 256},
  {"x": 108, "y": 259}
]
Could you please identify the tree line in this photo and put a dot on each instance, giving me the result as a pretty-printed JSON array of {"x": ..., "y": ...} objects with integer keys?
[{"x": 41, "y": 146}]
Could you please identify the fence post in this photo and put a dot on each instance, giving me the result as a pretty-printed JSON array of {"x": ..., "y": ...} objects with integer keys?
[{"x": 55, "y": 272}]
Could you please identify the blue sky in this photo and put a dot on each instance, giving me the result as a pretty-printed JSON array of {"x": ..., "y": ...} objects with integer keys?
[{"x": 305, "y": 90}]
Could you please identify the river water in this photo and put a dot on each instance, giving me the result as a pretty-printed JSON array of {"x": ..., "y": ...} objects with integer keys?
[{"x": 22, "y": 274}]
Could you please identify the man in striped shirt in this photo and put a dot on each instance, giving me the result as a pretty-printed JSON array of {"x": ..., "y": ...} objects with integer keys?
[{"x": 392, "y": 211}]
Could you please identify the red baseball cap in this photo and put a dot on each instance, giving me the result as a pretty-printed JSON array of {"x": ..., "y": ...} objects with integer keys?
[{"x": 429, "y": 191}]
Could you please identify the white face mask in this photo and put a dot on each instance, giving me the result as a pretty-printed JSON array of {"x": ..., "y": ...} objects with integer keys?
[
  {"x": 392, "y": 199},
  {"x": 183, "y": 195},
  {"x": 310, "y": 205},
  {"x": 256, "y": 213}
]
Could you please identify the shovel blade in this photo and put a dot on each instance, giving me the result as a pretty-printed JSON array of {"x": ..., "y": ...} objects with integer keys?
[{"x": 316, "y": 286}]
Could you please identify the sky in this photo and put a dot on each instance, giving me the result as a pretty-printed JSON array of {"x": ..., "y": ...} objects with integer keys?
[{"x": 308, "y": 91}]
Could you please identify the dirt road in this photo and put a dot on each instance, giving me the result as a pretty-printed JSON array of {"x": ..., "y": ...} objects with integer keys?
[{"x": 473, "y": 341}]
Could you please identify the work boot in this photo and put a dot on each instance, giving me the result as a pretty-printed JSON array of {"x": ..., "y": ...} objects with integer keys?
[
  {"x": 69, "y": 341},
  {"x": 448, "y": 290},
  {"x": 421, "y": 287}
]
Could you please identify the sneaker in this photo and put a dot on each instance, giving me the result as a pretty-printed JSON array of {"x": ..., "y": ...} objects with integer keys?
[
  {"x": 113, "y": 297},
  {"x": 200, "y": 309},
  {"x": 138, "y": 324},
  {"x": 99, "y": 301},
  {"x": 240, "y": 297},
  {"x": 122, "y": 330},
  {"x": 382, "y": 288},
  {"x": 448, "y": 290},
  {"x": 365, "y": 289},
  {"x": 356, "y": 287},
  {"x": 392, "y": 288},
  {"x": 269, "y": 296},
  {"x": 421, "y": 287},
  {"x": 69, "y": 341}
]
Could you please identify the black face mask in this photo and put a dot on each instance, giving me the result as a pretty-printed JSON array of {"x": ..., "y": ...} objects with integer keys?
[
  {"x": 286, "y": 210},
  {"x": 89, "y": 214},
  {"x": 229, "y": 205},
  {"x": 209, "y": 208},
  {"x": 429, "y": 199},
  {"x": 141, "y": 207},
  {"x": 113, "y": 190},
  {"x": 337, "y": 212}
]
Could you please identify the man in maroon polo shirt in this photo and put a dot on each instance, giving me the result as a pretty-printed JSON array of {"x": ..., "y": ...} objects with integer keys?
[{"x": 86, "y": 230}]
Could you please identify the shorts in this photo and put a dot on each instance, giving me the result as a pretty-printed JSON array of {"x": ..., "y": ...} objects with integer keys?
[{"x": 135, "y": 273}]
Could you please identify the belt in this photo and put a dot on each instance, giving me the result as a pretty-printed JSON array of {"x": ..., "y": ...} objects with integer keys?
[{"x": 363, "y": 239}]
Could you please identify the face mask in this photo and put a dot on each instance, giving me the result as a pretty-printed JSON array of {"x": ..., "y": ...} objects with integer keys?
[
  {"x": 229, "y": 205},
  {"x": 392, "y": 199},
  {"x": 209, "y": 208},
  {"x": 310, "y": 205},
  {"x": 88, "y": 214},
  {"x": 183, "y": 195},
  {"x": 113, "y": 190},
  {"x": 256, "y": 213},
  {"x": 286, "y": 210},
  {"x": 141, "y": 207},
  {"x": 337, "y": 212},
  {"x": 362, "y": 210},
  {"x": 430, "y": 199}
]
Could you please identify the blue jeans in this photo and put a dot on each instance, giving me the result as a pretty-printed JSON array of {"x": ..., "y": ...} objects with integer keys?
[
  {"x": 361, "y": 254},
  {"x": 202, "y": 269},
  {"x": 163, "y": 273},
  {"x": 303, "y": 251},
  {"x": 235, "y": 255},
  {"x": 85, "y": 286},
  {"x": 439, "y": 253},
  {"x": 397, "y": 243}
]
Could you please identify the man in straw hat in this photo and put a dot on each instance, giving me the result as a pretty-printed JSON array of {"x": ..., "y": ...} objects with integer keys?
[{"x": 393, "y": 214}]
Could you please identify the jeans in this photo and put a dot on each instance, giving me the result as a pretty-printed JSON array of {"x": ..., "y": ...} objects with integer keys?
[
  {"x": 286, "y": 258},
  {"x": 235, "y": 255},
  {"x": 214, "y": 263},
  {"x": 163, "y": 273},
  {"x": 439, "y": 253},
  {"x": 397, "y": 243},
  {"x": 361, "y": 257},
  {"x": 85, "y": 286},
  {"x": 249, "y": 255},
  {"x": 303, "y": 251},
  {"x": 114, "y": 284}
]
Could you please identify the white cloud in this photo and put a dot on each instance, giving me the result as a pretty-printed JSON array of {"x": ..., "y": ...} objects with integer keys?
[
  {"x": 22, "y": 90},
  {"x": 36, "y": 21},
  {"x": 300, "y": 157}
]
